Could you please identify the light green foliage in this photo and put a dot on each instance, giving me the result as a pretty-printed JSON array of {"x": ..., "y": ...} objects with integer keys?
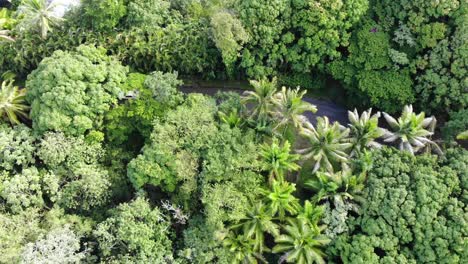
[
  {"x": 26, "y": 189},
  {"x": 57, "y": 150},
  {"x": 103, "y": 15},
  {"x": 6, "y": 24},
  {"x": 369, "y": 72},
  {"x": 164, "y": 87},
  {"x": 17, "y": 230},
  {"x": 411, "y": 130},
  {"x": 59, "y": 246},
  {"x": 328, "y": 144},
  {"x": 135, "y": 233},
  {"x": 16, "y": 147},
  {"x": 70, "y": 91},
  {"x": 229, "y": 36},
  {"x": 171, "y": 156},
  {"x": 301, "y": 243},
  {"x": 84, "y": 184},
  {"x": 413, "y": 212},
  {"x": 12, "y": 102},
  {"x": 335, "y": 217},
  {"x": 38, "y": 15},
  {"x": 229, "y": 176},
  {"x": 457, "y": 123},
  {"x": 295, "y": 35},
  {"x": 148, "y": 13},
  {"x": 278, "y": 160}
]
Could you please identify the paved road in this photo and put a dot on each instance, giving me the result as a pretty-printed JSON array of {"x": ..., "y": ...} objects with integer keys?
[{"x": 333, "y": 111}]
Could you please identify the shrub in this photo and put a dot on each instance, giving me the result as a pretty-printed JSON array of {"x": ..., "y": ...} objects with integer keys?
[{"x": 71, "y": 91}]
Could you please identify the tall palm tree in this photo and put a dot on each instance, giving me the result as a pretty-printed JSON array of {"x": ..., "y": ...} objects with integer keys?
[
  {"x": 290, "y": 107},
  {"x": 39, "y": 14},
  {"x": 311, "y": 213},
  {"x": 364, "y": 130},
  {"x": 277, "y": 159},
  {"x": 328, "y": 144},
  {"x": 411, "y": 130},
  {"x": 261, "y": 97},
  {"x": 12, "y": 102},
  {"x": 281, "y": 199},
  {"x": 243, "y": 249},
  {"x": 255, "y": 223},
  {"x": 301, "y": 243}
]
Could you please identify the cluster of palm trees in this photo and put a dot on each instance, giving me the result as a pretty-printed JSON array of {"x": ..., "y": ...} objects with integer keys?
[{"x": 330, "y": 147}]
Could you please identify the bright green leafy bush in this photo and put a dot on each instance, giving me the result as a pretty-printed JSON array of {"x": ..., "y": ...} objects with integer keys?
[
  {"x": 16, "y": 147},
  {"x": 71, "y": 91},
  {"x": 134, "y": 233},
  {"x": 414, "y": 211}
]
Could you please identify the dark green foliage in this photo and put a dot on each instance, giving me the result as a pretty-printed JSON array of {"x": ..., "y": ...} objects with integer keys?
[
  {"x": 457, "y": 123},
  {"x": 295, "y": 35},
  {"x": 131, "y": 122},
  {"x": 414, "y": 211},
  {"x": 369, "y": 73},
  {"x": 71, "y": 91}
]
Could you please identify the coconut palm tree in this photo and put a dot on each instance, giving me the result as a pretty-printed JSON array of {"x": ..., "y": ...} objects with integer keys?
[
  {"x": 261, "y": 97},
  {"x": 341, "y": 185},
  {"x": 328, "y": 144},
  {"x": 255, "y": 223},
  {"x": 290, "y": 107},
  {"x": 280, "y": 199},
  {"x": 301, "y": 243},
  {"x": 242, "y": 249},
  {"x": 364, "y": 130},
  {"x": 12, "y": 102},
  {"x": 311, "y": 213},
  {"x": 411, "y": 130},
  {"x": 233, "y": 119},
  {"x": 277, "y": 159},
  {"x": 40, "y": 15}
]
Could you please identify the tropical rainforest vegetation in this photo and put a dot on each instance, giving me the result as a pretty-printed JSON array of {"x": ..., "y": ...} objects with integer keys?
[{"x": 103, "y": 158}]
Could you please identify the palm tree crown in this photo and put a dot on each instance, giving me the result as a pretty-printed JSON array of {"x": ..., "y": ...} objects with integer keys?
[
  {"x": 281, "y": 199},
  {"x": 261, "y": 97},
  {"x": 39, "y": 14},
  {"x": 255, "y": 223},
  {"x": 290, "y": 106},
  {"x": 328, "y": 144},
  {"x": 301, "y": 242},
  {"x": 411, "y": 130},
  {"x": 277, "y": 159},
  {"x": 364, "y": 130},
  {"x": 12, "y": 102}
]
